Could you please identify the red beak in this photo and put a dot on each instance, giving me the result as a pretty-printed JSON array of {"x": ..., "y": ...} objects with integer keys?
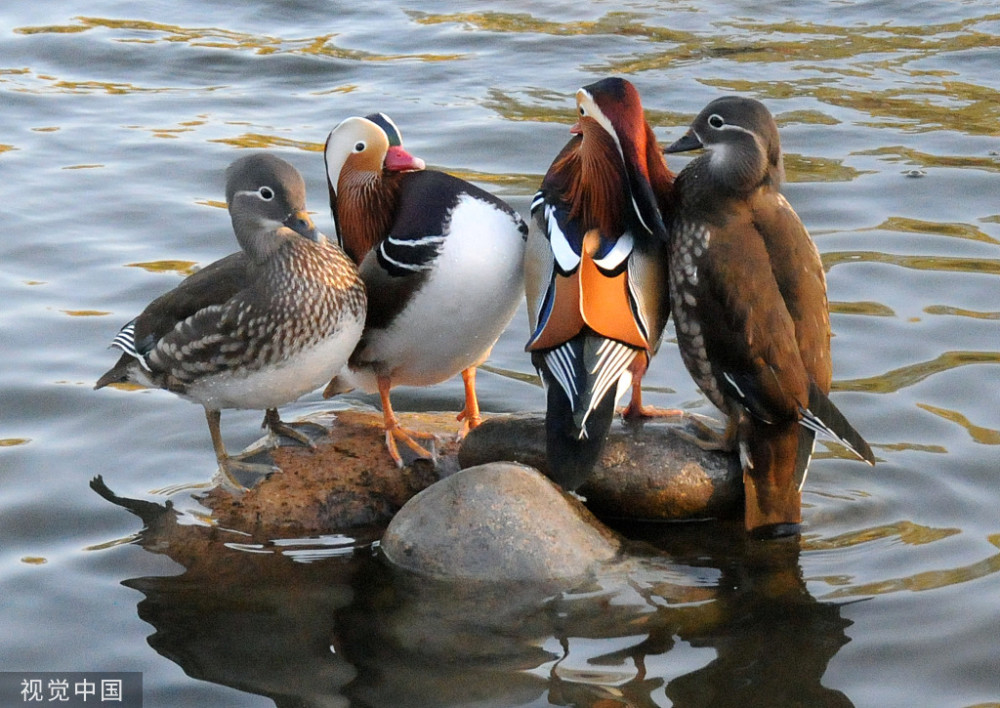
[
  {"x": 575, "y": 129},
  {"x": 399, "y": 160}
]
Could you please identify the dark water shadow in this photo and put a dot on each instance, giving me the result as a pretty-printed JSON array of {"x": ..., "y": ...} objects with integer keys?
[
  {"x": 773, "y": 640},
  {"x": 339, "y": 627}
]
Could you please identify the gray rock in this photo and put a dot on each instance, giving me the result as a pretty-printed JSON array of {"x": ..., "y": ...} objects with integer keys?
[
  {"x": 646, "y": 472},
  {"x": 497, "y": 522}
]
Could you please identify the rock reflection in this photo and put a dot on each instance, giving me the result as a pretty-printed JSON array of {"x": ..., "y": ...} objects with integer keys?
[
  {"x": 255, "y": 620},
  {"x": 695, "y": 616}
]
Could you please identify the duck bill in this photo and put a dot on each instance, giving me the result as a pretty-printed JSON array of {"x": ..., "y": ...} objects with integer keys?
[
  {"x": 301, "y": 223},
  {"x": 399, "y": 160},
  {"x": 689, "y": 141}
]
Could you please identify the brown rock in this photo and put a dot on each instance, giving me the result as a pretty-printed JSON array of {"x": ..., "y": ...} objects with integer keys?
[
  {"x": 646, "y": 471},
  {"x": 497, "y": 522},
  {"x": 348, "y": 481}
]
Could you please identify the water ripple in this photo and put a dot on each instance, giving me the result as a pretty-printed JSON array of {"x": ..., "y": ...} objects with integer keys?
[
  {"x": 984, "y": 436},
  {"x": 927, "y": 580},
  {"x": 905, "y": 376},
  {"x": 138, "y": 31},
  {"x": 985, "y": 266}
]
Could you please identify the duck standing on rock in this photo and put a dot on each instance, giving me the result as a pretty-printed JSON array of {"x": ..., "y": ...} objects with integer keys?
[
  {"x": 442, "y": 261},
  {"x": 258, "y": 328},
  {"x": 750, "y": 308},
  {"x": 596, "y": 273}
]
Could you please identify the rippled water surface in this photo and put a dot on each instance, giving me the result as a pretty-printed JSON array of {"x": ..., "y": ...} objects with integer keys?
[{"x": 115, "y": 128}]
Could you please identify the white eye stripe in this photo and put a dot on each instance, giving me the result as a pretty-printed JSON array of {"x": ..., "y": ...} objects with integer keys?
[
  {"x": 738, "y": 129},
  {"x": 596, "y": 114},
  {"x": 741, "y": 129},
  {"x": 264, "y": 193}
]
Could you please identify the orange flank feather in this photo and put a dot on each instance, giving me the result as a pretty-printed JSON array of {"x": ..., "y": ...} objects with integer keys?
[
  {"x": 589, "y": 297},
  {"x": 566, "y": 319},
  {"x": 606, "y": 308}
]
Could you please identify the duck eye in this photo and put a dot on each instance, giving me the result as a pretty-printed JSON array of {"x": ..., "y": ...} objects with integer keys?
[
  {"x": 266, "y": 193},
  {"x": 583, "y": 111},
  {"x": 359, "y": 146},
  {"x": 716, "y": 121}
]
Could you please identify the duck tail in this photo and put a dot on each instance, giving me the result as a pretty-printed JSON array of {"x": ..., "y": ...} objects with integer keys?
[
  {"x": 824, "y": 417},
  {"x": 584, "y": 378}
]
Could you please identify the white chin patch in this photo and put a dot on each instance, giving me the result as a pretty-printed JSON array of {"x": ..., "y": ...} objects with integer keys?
[{"x": 719, "y": 157}]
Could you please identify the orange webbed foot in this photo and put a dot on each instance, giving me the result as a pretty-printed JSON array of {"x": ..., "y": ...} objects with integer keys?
[
  {"x": 470, "y": 421},
  {"x": 396, "y": 432},
  {"x": 633, "y": 412},
  {"x": 636, "y": 411}
]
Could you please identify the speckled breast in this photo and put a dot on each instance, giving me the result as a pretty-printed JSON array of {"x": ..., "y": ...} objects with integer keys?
[{"x": 689, "y": 244}]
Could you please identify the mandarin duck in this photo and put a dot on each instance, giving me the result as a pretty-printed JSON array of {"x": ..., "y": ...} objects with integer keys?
[
  {"x": 750, "y": 308},
  {"x": 441, "y": 258},
  {"x": 596, "y": 272},
  {"x": 259, "y": 328}
]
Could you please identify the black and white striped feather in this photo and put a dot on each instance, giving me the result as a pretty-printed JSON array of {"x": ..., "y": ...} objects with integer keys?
[
  {"x": 586, "y": 367},
  {"x": 125, "y": 340}
]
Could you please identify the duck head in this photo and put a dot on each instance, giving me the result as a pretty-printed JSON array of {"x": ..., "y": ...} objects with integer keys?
[
  {"x": 266, "y": 197},
  {"x": 362, "y": 156},
  {"x": 617, "y": 144},
  {"x": 741, "y": 141}
]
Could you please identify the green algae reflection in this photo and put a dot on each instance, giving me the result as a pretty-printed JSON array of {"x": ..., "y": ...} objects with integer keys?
[{"x": 142, "y": 32}]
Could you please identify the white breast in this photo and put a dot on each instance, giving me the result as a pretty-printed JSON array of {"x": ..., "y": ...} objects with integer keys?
[
  {"x": 277, "y": 385},
  {"x": 471, "y": 294}
]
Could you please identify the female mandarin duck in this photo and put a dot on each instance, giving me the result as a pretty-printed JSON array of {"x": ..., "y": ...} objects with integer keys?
[
  {"x": 596, "y": 279},
  {"x": 750, "y": 307},
  {"x": 258, "y": 328},
  {"x": 442, "y": 261}
]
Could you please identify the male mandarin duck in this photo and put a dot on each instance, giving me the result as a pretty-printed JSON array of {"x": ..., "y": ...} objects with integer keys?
[
  {"x": 596, "y": 272},
  {"x": 750, "y": 308},
  {"x": 258, "y": 328},
  {"x": 441, "y": 258}
]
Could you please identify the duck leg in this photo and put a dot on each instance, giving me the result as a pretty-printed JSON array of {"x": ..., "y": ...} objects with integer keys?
[
  {"x": 254, "y": 473},
  {"x": 635, "y": 410},
  {"x": 394, "y": 431},
  {"x": 469, "y": 416},
  {"x": 294, "y": 431}
]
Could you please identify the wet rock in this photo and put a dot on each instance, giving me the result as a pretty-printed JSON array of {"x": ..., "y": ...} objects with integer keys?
[
  {"x": 348, "y": 482},
  {"x": 497, "y": 522},
  {"x": 646, "y": 472}
]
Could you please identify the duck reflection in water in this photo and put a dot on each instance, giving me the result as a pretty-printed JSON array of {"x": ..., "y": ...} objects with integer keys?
[{"x": 692, "y": 618}]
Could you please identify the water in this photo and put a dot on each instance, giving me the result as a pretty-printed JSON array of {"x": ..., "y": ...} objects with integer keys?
[{"x": 115, "y": 129}]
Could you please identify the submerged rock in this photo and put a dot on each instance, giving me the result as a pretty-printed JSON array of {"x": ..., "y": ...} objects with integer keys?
[{"x": 497, "y": 522}]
